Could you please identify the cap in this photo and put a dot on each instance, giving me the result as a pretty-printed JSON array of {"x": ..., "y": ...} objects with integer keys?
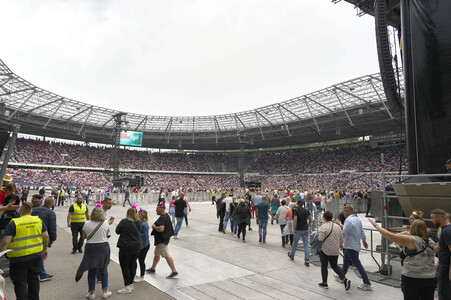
[{"x": 7, "y": 177}]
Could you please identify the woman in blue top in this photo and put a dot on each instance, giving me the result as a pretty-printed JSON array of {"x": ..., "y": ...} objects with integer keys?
[{"x": 142, "y": 215}]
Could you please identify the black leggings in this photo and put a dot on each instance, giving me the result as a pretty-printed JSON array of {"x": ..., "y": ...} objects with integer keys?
[
  {"x": 141, "y": 257},
  {"x": 325, "y": 259},
  {"x": 242, "y": 229},
  {"x": 128, "y": 265}
]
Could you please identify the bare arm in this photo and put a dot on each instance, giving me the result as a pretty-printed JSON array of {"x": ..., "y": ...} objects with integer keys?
[
  {"x": 5, "y": 242},
  {"x": 45, "y": 241},
  {"x": 295, "y": 221},
  {"x": 158, "y": 228},
  {"x": 69, "y": 214},
  {"x": 402, "y": 240},
  {"x": 310, "y": 220},
  {"x": 83, "y": 234},
  {"x": 87, "y": 216}
]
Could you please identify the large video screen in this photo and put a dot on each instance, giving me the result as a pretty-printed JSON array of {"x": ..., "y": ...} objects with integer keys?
[{"x": 131, "y": 138}]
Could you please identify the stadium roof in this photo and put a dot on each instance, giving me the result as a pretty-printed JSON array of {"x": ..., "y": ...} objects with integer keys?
[{"x": 353, "y": 108}]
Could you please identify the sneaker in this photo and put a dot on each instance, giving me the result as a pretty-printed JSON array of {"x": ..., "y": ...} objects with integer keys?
[
  {"x": 337, "y": 278},
  {"x": 260, "y": 240},
  {"x": 307, "y": 263},
  {"x": 80, "y": 250},
  {"x": 125, "y": 290},
  {"x": 291, "y": 257},
  {"x": 244, "y": 241},
  {"x": 364, "y": 287},
  {"x": 90, "y": 296},
  {"x": 107, "y": 294},
  {"x": 264, "y": 241},
  {"x": 138, "y": 279},
  {"x": 172, "y": 275},
  {"x": 73, "y": 252},
  {"x": 323, "y": 285},
  {"x": 283, "y": 246},
  {"x": 151, "y": 271},
  {"x": 175, "y": 237},
  {"x": 347, "y": 283},
  {"x": 238, "y": 236},
  {"x": 46, "y": 278}
]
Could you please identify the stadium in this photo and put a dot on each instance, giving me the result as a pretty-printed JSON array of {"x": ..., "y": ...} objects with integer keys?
[{"x": 342, "y": 143}]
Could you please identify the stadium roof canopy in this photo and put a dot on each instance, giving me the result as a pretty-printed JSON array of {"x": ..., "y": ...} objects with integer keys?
[{"x": 353, "y": 108}]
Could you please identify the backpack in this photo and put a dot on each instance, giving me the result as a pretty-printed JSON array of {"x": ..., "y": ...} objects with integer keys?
[{"x": 242, "y": 212}]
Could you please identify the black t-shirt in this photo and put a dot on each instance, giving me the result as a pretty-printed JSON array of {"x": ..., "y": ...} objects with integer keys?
[
  {"x": 180, "y": 205},
  {"x": 302, "y": 215},
  {"x": 165, "y": 235},
  {"x": 443, "y": 252}
]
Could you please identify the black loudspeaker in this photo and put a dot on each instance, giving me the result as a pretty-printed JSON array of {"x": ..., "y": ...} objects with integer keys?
[
  {"x": 4, "y": 136},
  {"x": 427, "y": 75}
]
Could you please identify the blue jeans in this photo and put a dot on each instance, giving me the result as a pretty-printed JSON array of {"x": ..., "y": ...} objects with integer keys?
[
  {"x": 233, "y": 226},
  {"x": 42, "y": 273},
  {"x": 226, "y": 219},
  {"x": 284, "y": 237},
  {"x": 92, "y": 279},
  {"x": 296, "y": 238},
  {"x": 125, "y": 201},
  {"x": 178, "y": 225},
  {"x": 350, "y": 255},
  {"x": 262, "y": 224}
]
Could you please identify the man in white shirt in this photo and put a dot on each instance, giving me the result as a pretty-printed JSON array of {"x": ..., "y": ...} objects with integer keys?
[{"x": 227, "y": 202}]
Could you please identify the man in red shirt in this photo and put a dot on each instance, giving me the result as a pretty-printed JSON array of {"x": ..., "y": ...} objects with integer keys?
[{"x": 6, "y": 180}]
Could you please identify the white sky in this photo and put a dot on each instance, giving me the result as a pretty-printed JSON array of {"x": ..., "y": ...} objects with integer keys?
[{"x": 185, "y": 57}]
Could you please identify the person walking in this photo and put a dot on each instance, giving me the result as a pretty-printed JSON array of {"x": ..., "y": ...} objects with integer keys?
[
  {"x": 220, "y": 211},
  {"x": 97, "y": 253},
  {"x": 352, "y": 235},
  {"x": 275, "y": 203},
  {"x": 213, "y": 196},
  {"x": 172, "y": 210},
  {"x": 418, "y": 278},
  {"x": 162, "y": 231},
  {"x": 48, "y": 216},
  {"x": 233, "y": 225},
  {"x": 242, "y": 213},
  {"x": 227, "y": 202},
  {"x": 75, "y": 221},
  {"x": 143, "y": 218},
  {"x": 126, "y": 197},
  {"x": 180, "y": 205},
  {"x": 262, "y": 211},
  {"x": 280, "y": 217},
  {"x": 129, "y": 244},
  {"x": 28, "y": 238},
  {"x": 301, "y": 222},
  {"x": 331, "y": 237}
]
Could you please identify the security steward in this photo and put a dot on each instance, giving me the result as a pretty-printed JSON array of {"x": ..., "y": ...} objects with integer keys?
[
  {"x": 213, "y": 197},
  {"x": 27, "y": 237},
  {"x": 76, "y": 220}
]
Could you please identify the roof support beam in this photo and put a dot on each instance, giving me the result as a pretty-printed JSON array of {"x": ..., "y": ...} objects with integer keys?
[
  {"x": 104, "y": 124},
  {"x": 237, "y": 119},
  {"x": 264, "y": 118},
  {"x": 258, "y": 123},
  {"x": 351, "y": 94},
  {"x": 2, "y": 85},
  {"x": 86, "y": 120},
  {"x": 143, "y": 120},
  {"x": 285, "y": 123},
  {"x": 316, "y": 102},
  {"x": 21, "y": 105},
  {"x": 18, "y": 91},
  {"x": 382, "y": 100},
  {"x": 311, "y": 114},
  {"x": 217, "y": 129},
  {"x": 344, "y": 109},
  {"x": 289, "y": 111},
  {"x": 168, "y": 130},
  {"x": 56, "y": 110},
  {"x": 42, "y": 105},
  {"x": 80, "y": 112}
]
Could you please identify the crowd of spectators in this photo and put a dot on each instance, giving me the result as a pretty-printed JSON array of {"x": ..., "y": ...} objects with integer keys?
[{"x": 325, "y": 169}]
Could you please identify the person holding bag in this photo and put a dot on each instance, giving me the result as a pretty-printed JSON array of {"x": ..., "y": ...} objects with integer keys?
[
  {"x": 418, "y": 278},
  {"x": 97, "y": 253},
  {"x": 129, "y": 244},
  {"x": 331, "y": 237}
]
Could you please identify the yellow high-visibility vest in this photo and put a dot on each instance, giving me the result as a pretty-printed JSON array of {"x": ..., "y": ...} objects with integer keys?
[
  {"x": 78, "y": 216},
  {"x": 28, "y": 239},
  {"x": 213, "y": 194}
]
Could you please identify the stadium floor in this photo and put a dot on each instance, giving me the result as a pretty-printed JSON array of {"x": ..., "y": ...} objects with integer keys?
[{"x": 211, "y": 265}]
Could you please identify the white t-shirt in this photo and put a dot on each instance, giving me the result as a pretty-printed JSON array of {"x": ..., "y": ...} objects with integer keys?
[
  {"x": 227, "y": 202},
  {"x": 100, "y": 236}
]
